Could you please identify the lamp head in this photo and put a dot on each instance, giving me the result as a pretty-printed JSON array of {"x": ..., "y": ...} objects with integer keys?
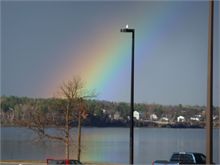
[{"x": 125, "y": 29}]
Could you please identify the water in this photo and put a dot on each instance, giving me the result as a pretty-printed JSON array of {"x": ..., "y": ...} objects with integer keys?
[{"x": 108, "y": 144}]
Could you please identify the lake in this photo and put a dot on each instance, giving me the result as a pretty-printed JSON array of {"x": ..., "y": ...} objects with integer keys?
[{"x": 110, "y": 145}]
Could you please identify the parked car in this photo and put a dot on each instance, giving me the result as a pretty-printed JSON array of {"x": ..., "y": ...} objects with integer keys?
[
  {"x": 63, "y": 162},
  {"x": 183, "y": 158}
]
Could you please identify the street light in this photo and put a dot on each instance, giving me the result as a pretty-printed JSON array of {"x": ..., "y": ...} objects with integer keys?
[{"x": 131, "y": 157}]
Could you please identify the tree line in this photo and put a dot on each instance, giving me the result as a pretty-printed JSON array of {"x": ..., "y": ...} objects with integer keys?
[{"x": 99, "y": 113}]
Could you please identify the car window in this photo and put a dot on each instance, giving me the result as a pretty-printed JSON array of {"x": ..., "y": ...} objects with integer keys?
[
  {"x": 187, "y": 159},
  {"x": 175, "y": 158},
  {"x": 200, "y": 158}
]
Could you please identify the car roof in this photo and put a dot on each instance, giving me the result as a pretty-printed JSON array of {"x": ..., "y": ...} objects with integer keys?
[{"x": 187, "y": 153}]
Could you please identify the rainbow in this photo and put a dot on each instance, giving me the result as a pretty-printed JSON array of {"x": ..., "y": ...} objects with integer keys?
[{"x": 100, "y": 62}]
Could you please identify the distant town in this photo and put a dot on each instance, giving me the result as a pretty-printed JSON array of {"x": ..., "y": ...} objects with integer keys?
[{"x": 106, "y": 114}]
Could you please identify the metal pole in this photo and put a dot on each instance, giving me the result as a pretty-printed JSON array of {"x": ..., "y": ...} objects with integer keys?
[
  {"x": 132, "y": 103},
  {"x": 131, "y": 156},
  {"x": 209, "y": 119}
]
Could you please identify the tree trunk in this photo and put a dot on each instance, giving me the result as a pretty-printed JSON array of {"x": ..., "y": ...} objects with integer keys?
[
  {"x": 67, "y": 135},
  {"x": 67, "y": 149},
  {"x": 79, "y": 136}
]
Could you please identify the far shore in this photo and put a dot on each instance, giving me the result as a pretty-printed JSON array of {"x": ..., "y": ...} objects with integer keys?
[{"x": 163, "y": 126}]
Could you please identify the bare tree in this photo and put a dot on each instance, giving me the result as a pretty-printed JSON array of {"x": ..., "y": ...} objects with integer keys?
[
  {"x": 70, "y": 106},
  {"x": 74, "y": 93}
]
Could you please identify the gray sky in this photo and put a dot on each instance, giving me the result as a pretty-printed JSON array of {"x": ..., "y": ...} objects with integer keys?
[{"x": 44, "y": 43}]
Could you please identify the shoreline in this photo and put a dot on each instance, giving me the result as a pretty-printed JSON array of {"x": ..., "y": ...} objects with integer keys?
[{"x": 161, "y": 126}]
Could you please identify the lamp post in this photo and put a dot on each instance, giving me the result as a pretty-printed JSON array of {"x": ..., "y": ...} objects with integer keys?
[{"x": 131, "y": 156}]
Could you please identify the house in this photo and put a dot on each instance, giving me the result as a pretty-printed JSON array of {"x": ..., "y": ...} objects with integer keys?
[
  {"x": 215, "y": 117},
  {"x": 153, "y": 117},
  {"x": 104, "y": 111},
  {"x": 117, "y": 116},
  {"x": 194, "y": 118},
  {"x": 136, "y": 115},
  {"x": 198, "y": 116},
  {"x": 181, "y": 119},
  {"x": 164, "y": 119}
]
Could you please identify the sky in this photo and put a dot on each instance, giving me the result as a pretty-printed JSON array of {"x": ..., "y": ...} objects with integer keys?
[{"x": 45, "y": 43}]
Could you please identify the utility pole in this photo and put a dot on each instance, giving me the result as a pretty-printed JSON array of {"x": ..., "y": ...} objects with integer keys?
[{"x": 209, "y": 111}]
